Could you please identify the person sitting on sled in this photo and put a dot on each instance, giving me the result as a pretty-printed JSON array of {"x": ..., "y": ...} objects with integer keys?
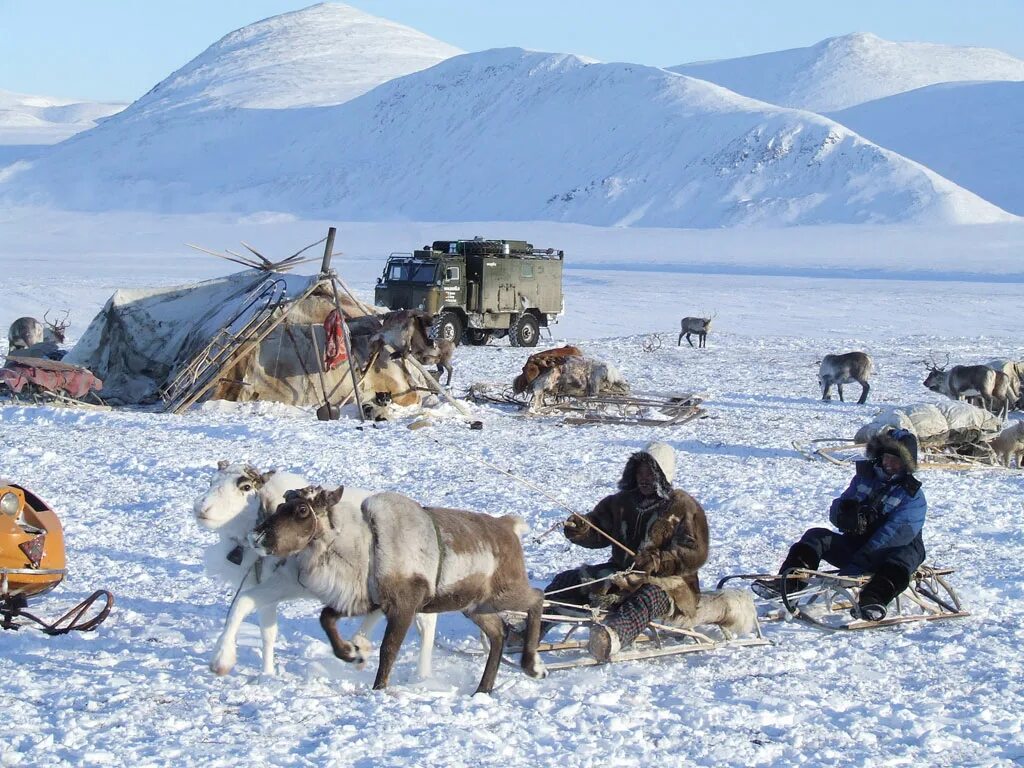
[
  {"x": 880, "y": 517},
  {"x": 668, "y": 531}
]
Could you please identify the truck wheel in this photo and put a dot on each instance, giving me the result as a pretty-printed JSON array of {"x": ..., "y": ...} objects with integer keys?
[
  {"x": 448, "y": 326},
  {"x": 525, "y": 332},
  {"x": 476, "y": 337}
]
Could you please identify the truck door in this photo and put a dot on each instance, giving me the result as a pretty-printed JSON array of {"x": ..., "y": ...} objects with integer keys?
[{"x": 453, "y": 284}]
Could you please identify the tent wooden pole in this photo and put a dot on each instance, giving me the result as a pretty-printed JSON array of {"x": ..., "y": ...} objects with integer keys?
[
  {"x": 248, "y": 344},
  {"x": 327, "y": 272}
]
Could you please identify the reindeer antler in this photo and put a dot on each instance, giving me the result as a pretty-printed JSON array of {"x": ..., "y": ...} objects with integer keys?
[{"x": 651, "y": 343}]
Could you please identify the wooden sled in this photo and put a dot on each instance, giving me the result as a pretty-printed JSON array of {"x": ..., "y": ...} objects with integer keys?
[
  {"x": 827, "y": 598},
  {"x": 645, "y": 410},
  {"x": 844, "y": 451},
  {"x": 657, "y": 641}
]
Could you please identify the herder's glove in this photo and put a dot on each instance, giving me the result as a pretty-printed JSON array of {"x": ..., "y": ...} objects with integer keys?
[
  {"x": 648, "y": 560},
  {"x": 852, "y": 517},
  {"x": 574, "y": 528}
]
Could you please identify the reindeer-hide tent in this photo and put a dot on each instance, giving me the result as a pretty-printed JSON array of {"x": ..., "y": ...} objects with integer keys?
[{"x": 256, "y": 328}]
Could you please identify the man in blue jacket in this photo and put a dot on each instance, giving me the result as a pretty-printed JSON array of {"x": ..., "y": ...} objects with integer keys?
[{"x": 880, "y": 517}]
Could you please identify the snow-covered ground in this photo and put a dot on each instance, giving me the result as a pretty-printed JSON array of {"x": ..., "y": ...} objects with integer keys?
[{"x": 138, "y": 692}]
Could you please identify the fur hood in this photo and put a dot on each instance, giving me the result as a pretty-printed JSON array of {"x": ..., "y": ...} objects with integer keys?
[
  {"x": 900, "y": 442},
  {"x": 661, "y": 459}
]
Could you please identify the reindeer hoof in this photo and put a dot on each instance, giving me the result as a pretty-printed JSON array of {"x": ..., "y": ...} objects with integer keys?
[
  {"x": 536, "y": 670},
  {"x": 222, "y": 664}
]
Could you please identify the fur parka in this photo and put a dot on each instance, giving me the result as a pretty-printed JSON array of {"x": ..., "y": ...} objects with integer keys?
[{"x": 670, "y": 538}]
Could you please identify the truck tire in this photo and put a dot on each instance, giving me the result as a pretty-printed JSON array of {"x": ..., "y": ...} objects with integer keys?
[
  {"x": 448, "y": 326},
  {"x": 476, "y": 337},
  {"x": 525, "y": 332}
]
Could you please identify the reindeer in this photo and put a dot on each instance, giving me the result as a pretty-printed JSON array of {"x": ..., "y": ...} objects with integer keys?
[
  {"x": 407, "y": 332},
  {"x": 27, "y": 332},
  {"x": 962, "y": 382},
  {"x": 697, "y": 325},
  {"x": 1009, "y": 444},
  {"x": 845, "y": 369},
  {"x": 403, "y": 558}
]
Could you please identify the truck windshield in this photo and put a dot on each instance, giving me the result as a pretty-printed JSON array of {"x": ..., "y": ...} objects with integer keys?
[{"x": 412, "y": 271}]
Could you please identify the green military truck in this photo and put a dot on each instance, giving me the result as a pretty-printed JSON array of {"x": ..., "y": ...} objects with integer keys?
[{"x": 478, "y": 289}]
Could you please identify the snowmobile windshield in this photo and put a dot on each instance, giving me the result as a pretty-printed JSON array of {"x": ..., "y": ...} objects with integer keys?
[{"x": 424, "y": 272}]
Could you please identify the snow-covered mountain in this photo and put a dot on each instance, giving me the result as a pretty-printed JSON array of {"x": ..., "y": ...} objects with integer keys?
[
  {"x": 26, "y": 119},
  {"x": 325, "y": 54},
  {"x": 971, "y": 133},
  {"x": 843, "y": 71},
  {"x": 504, "y": 135}
]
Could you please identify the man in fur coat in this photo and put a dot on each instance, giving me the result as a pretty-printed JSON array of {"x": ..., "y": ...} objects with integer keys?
[
  {"x": 667, "y": 530},
  {"x": 880, "y": 517}
]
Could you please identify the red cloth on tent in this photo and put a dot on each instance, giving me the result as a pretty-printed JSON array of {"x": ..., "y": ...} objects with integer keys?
[
  {"x": 336, "y": 353},
  {"x": 50, "y": 375}
]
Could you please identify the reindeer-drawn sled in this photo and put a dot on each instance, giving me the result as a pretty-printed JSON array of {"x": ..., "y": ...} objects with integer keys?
[
  {"x": 825, "y": 600},
  {"x": 658, "y": 639},
  {"x": 32, "y": 562},
  {"x": 39, "y": 380}
]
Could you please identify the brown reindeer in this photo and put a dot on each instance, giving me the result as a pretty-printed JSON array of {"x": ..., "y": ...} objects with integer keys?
[
  {"x": 407, "y": 332},
  {"x": 539, "y": 362},
  {"x": 405, "y": 559}
]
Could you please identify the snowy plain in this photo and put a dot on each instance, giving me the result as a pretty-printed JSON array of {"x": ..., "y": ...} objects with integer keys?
[{"x": 138, "y": 691}]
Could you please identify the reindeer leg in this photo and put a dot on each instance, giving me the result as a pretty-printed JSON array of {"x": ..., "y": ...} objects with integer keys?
[
  {"x": 532, "y": 601},
  {"x": 494, "y": 630},
  {"x": 865, "y": 388},
  {"x": 268, "y": 634},
  {"x": 342, "y": 648},
  {"x": 426, "y": 624},
  {"x": 839, "y": 386},
  {"x": 688, "y": 340},
  {"x": 826, "y": 392},
  {"x": 680, "y": 342},
  {"x": 400, "y": 618}
]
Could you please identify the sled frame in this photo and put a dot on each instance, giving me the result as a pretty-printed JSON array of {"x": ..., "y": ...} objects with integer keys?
[
  {"x": 928, "y": 597},
  {"x": 658, "y": 640}
]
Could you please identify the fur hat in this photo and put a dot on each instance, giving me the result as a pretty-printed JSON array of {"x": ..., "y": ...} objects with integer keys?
[
  {"x": 661, "y": 458},
  {"x": 901, "y": 443},
  {"x": 666, "y": 458}
]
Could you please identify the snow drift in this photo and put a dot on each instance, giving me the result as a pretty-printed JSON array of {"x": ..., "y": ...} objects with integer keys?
[
  {"x": 971, "y": 133},
  {"x": 843, "y": 71},
  {"x": 502, "y": 135}
]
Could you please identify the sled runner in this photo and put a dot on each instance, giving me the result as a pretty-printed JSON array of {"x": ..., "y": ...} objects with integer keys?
[
  {"x": 657, "y": 640},
  {"x": 32, "y": 563},
  {"x": 826, "y": 598}
]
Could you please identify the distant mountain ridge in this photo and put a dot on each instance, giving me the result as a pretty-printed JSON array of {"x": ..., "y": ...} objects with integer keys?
[
  {"x": 28, "y": 119},
  {"x": 322, "y": 55},
  {"x": 841, "y": 72},
  {"x": 502, "y": 135},
  {"x": 971, "y": 133}
]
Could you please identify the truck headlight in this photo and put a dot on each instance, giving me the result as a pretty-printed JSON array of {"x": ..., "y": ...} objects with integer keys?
[{"x": 10, "y": 504}]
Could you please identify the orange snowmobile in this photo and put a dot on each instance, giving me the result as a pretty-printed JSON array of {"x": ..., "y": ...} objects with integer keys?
[{"x": 32, "y": 562}]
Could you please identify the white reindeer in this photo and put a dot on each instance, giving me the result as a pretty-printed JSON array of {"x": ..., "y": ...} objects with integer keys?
[{"x": 240, "y": 497}]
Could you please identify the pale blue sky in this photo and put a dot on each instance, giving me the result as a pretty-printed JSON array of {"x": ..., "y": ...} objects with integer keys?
[{"x": 116, "y": 50}]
